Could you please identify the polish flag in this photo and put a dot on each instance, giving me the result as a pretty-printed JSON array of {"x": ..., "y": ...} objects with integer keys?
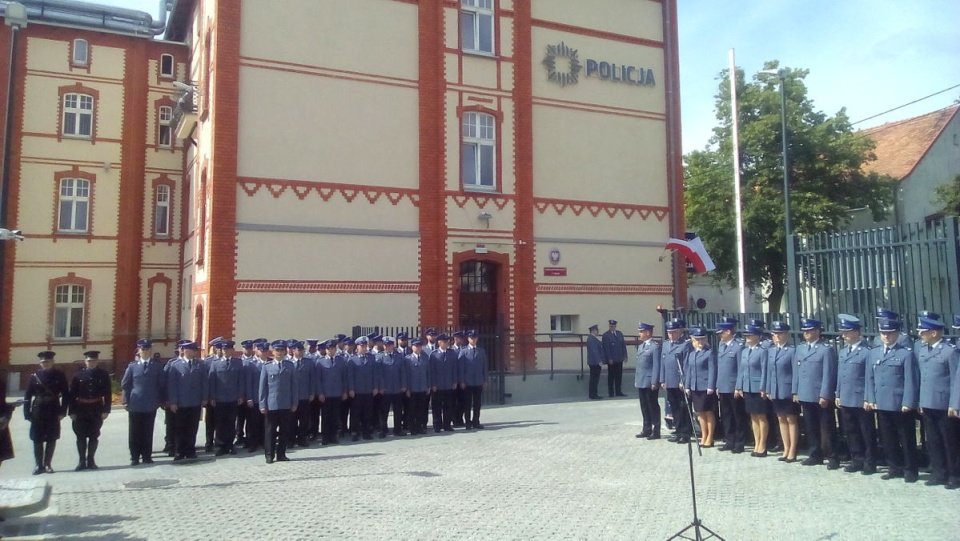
[{"x": 695, "y": 253}]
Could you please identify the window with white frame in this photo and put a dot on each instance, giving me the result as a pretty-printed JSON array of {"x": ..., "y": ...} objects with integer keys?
[
  {"x": 68, "y": 312},
  {"x": 476, "y": 26},
  {"x": 478, "y": 151},
  {"x": 81, "y": 53},
  {"x": 77, "y": 115},
  {"x": 162, "y": 211},
  {"x": 74, "y": 205},
  {"x": 165, "y": 134},
  {"x": 562, "y": 323},
  {"x": 166, "y": 65}
]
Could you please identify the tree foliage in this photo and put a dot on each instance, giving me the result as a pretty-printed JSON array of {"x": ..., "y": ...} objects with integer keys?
[
  {"x": 825, "y": 158},
  {"x": 948, "y": 195}
]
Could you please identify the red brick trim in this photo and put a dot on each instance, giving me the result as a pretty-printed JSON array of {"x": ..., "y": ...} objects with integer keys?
[
  {"x": 604, "y": 289},
  {"x": 560, "y": 206},
  {"x": 69, "y": 279},
  {"x": 671, "y": 59},
  {"x": 480, "y": 199},
  {"x": 75, "y": 172},
  {"x": 160, "y": 74},
  {"x": 78, "y": 67},
  {"x": 611, "y": 36},
  {"x": 303, "y": 189},
  {"x": 152, "y": 282},
  {"x": 79, "y": 88},
  {"x": 325, "y": 286}
]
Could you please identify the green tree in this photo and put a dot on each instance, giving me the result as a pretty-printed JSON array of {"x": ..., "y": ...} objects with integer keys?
[
  {"x": 825, "y": 159},
  {"x": 948, "y": 195}
]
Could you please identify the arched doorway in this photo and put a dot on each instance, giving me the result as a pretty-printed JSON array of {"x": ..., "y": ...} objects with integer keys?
[{"x": 478, "y": 294}]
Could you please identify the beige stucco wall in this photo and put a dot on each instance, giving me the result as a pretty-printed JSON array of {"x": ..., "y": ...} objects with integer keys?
[{"x": 632, "y": 18}]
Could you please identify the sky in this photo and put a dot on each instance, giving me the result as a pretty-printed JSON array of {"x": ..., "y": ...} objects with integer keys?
[{"x": 866, "y": 55}]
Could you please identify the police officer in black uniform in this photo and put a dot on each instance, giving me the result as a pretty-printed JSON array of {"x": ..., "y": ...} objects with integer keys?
[
  {"x": 90, "y": 397},
  {"x": 45, "y": 405}
]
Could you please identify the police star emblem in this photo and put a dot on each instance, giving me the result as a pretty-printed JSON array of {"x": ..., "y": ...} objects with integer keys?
[{"x": 563, "y": 77}]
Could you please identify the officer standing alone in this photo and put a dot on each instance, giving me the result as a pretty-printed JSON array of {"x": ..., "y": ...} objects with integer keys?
[
  {"x": 45, "y": 405},
  {"x": 90, "y": 398},
  {"x": 647, "y": 381},
  {"x": 615, "y": 354},
  {"x": 278, "y": 398},
  {"x": 143, "y": 386}
]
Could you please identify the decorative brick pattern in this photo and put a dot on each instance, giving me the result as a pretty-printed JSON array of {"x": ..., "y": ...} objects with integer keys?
[
  {"x": 326, "y": 190},
  {"x": 560, "y": 206},
  {"x": 324, "y": 286},
  {"x": 605, "y": 289}
]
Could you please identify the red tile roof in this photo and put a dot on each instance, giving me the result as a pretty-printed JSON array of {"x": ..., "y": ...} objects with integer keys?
[{"x": 902, "y": 144}]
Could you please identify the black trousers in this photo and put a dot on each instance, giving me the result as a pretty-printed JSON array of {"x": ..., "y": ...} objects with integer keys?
[
  {"x": 188, "y": 422},
  {"x": 898, "y": 434},
  {"x": 474, "y": 395},
  {"x": 330, "y": 419},
  {"x": 301, "y": 423},
  {"x": 858, "y": 425},
  {"x": 210, "y": 422},
  {"x": 595, "y": 370},
  {"x": 460, "y": 405},
  {"x": 88, "y": 422},
  {"x": 407, "y": 408},
  {"x": 362, "y": 414},
  {"x": 681, "y": 416},
  {"x": 277, "y": 430},
  {"x": 735, "y": 421},
  {"x": 140, "y": 434},
  {"x": 821, "y": 427},
  {"x": 650, "y": 409},
  {"x": 388, "y": 401},
  {"x": 443, "y": 409},
  {"x": 316, "y": 410},
  {"x": 417, "y": 413},
  {"x": 169, "y": 430},
  {"x": 225, "y": 415},
  {"x": 346, "y": 423},
  {"x": 614, "y": 379},
  {"x": 943, "y": 444},
  {"x": 255, "y": 427},
  {"x": 240, "y": 429}
]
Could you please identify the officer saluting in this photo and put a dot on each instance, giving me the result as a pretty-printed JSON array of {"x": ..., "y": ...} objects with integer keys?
[
  {"x": 90, "y": 397},
  {"x": 45, "y": 405},
  {"x": 143, "y": 385}
]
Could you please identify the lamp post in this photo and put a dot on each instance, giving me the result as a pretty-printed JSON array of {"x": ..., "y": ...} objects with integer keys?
[{"x": 792, "y": 301}]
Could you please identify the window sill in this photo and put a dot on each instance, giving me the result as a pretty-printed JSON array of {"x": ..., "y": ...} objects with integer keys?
[
  {"x": 481, "y": 189},
  {"x": 482, "y": 54},
  {"x": 74, "y": 137},
  {"x": 72, "y": 234},
  {"x": 67, "y": 341}
]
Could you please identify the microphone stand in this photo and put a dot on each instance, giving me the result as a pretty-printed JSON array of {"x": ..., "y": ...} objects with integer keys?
[{"x": 697, "y": 524}]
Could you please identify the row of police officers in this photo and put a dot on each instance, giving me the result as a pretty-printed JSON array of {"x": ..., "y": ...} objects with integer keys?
[{"x": 771, "y": 386}]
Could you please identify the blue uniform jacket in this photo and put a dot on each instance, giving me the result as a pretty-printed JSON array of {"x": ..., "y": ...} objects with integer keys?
[
  {"x": 753, "y": 361},
  {"x": 594, "y": 351},
  {"x": 669, "y": 370},
  {"x": 363, "y": 376},
  {"x": 777, "y": 378},
  {"x": 278, "y": 386},
  {"x": 728, "y": 365},
  {"x": 473, "y": 366},
  {"x": 445, "y": 367},
  {"x": 143, "y": 386},
  {"x": 331, "y": 373},
  {"x": 815, "y": 372},
  {"x": 892, "y": 381},
  {"x": 227, "y": 383},
  {"x": 187, "y": 383},
  {"x": 648, "y": 365},
  {"x": 306, "y": 377},
  {"x": 393, "y": 370},
  {"x": 700, "y": 370},
  {"x": 955, "y": 392},
  {"x": 614, "y": 347},
  {"x": 852, "y": 373},
  {"x": 938, "y": 366},
  {"x": 252, "y": 370},
  {"x": 419, "y": 375}
]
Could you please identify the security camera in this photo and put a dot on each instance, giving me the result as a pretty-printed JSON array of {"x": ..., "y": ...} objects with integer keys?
[
  {"x": 11, "y": 234},
  {"x": 184, "y": 86}
]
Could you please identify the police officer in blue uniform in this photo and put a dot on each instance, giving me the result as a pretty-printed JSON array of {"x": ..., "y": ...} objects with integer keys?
[
  {"x": 227, "y": 385},
  {"x": 815, "y": 386},
  {"x": 419, "y": 379},
  {"x": 445, "y": 366},
  {"x": 595, "y": 361},
  {"x": 45, "y": 405},
  {"x": 170, "y": 416},
  {"x": 345, "y": 352},
  {"x": 473, "y": 367},
  {"x": 674, "y": 348},
  {"x": 700, "y": 383},
  {"x": 938, "y": 362},
  {"x": 615, "y": 354},
  {"x": 143, "y": 387},
  {"x": 858, "y": 424},
  {"x": 363, "y": 382},
  {"x": 312, "y": 354},
  {"x": 777, "y": 385},
  {"x": 393, "y": 377},
  {"x": 905, "y": 340},
  {"x": 733, "y": 416},
  {"x": 647, "y": 381},
  {"x": 892, "y": 388},
  {"x": 331, "y": 373},
  {"x": 90, "y": 398},
  {"x": 749, "y": 391},
  {"x": 209, "y": 410},
  {"x": 278, "y": 398},
  {"x": 306, "y": 380},
  {"x": 246, "y": 356},
  {"x": 188, "y": 391}
]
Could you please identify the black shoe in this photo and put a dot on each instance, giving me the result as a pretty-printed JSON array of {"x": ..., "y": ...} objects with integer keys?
[
  {"x": 790, "y": 460},
  {"x": 208, "y": 448},
  {"x": 782, "y": 459},
  {"x": 38, "y": 470},
  {"x": 82, "y": 466},
  {"x": 399, "y": 433},
  {"x": 356, "y": 437},
  {"x": 178, "y": 458},
  {"x": 910, "y": 477},
  {"x": 148, "y": 460},
  {"x": 135, "y": 462},
  {"x": 383, "y": 435},
  {"x": 934, "y": 482},
  {"x": 220, "y": 452},
  {"x": 758, "y": 455},
  {"x": 854, "y": 467},
  {"x": 833, "y": 464},
  {"x": 892, "y": 474},
  {"x": 726, "y": 447},
  {"x": 91, "y": 465},
  {"x": 48, "y": 469},
  {"x": 812, "y": 461},
  {"x": 869, "y": 469},
  {"x": 368, "y": 437},
  {"x": 645, "y": 433},
  {"x": 737, "y": 450},
  {"x": 952, "y": 485},
  {"x": 596, "y": 398},
  {"x": 478, "y": 426},
  {"x": 252, "y": 448},
  {"x": 436, "y": 429},
  {"x": 654, "y": 436},
  {"x": 269, "y": 460},
  {"x": 682, "y": 440},
  {"x": 283, "y": 458},
  {"x": 621, "y": 394},
  {"x": 673, "y": 438},
  {"x": 231, "y": 451}
]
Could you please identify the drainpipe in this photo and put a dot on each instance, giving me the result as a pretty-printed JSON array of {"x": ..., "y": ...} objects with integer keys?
[{"x": 82, "y": 14}]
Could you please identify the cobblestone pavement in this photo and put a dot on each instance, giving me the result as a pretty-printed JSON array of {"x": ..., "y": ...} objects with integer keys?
[{"x": 557, "y": 471}]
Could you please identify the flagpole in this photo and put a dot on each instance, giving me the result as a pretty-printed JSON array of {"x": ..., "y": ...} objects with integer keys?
[{"x": 734, "y": 114}]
